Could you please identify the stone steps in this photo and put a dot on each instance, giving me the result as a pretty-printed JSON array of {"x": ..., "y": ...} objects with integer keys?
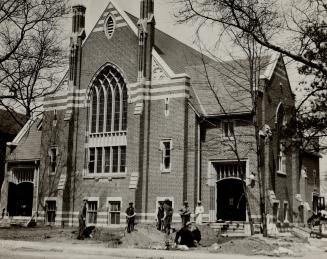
[{"x": 230, "y": 228}]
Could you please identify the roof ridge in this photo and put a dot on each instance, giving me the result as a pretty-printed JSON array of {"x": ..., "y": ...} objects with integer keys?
[{"x": 170, "y": 36}]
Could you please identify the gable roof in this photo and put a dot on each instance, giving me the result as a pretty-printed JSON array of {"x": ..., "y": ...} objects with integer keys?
[
  {"x": 27, "y": 144},
  {"x": 10, "y": 122},
  {"x": 223, "y": 87},
  {"x": 175, "y": 53}
]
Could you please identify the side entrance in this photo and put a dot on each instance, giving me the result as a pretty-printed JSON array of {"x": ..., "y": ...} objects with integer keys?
[{"x": 230, "y": 199}]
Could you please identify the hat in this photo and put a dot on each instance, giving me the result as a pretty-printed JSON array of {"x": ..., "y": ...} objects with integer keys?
[
  {"x": 185, "y": 202},
  {"x": 130, "y": 202}
]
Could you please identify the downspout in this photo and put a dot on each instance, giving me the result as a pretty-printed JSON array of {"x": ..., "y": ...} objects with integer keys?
[
  {"x": 37, "y": 188},
  {"x": 199, "y": 164}
]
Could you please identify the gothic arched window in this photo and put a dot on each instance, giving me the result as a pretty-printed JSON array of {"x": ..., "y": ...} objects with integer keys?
[{"x": 107, "y": 123}]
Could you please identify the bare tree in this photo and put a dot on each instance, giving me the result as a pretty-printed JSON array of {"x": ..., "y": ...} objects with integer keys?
[
  {"x": 296, "y": 29},
  {"x": 32, "y": 56},
  {"x": 264, "y": 19}
]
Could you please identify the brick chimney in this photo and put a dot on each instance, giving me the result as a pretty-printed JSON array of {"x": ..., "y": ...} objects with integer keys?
[
  {"x": 76, "y": 40},
  {"x": 146, "y": 28}
]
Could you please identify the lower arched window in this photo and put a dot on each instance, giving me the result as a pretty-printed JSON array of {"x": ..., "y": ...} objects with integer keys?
[{"x": 106, "y": 137}]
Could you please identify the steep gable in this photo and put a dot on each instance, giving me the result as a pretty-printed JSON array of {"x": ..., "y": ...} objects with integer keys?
[{"x": 26, "y": 145}]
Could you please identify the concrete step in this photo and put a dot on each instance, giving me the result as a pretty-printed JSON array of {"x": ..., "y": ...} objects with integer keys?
[
  {"x": 4, "y": 223},
  {"x": 229, "y": 228},
  {"x": 301, "y": 232}
]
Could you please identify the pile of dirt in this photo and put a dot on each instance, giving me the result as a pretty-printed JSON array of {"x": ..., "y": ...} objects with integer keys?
[{"x": 244, "y": 245}]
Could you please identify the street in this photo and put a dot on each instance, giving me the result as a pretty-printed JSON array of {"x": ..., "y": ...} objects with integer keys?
[{"x": 56, "y": 250}]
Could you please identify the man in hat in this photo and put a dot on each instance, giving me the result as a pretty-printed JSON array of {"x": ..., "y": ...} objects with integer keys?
[
  {"x": 81, "y": 220},
  {"x": 185, "y": 214},
  {"x": 160, "y": 213},
  {"x": 130, "y": 217},
  {"x": 168, "y": 215},
  {"x": 199, "y": 210}
]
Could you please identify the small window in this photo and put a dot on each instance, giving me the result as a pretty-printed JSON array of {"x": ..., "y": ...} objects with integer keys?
[
  {"x": 51, "y": 211},
  {"x": 281, "y": 167},
  {"x": 92, "y": 211},
  {"x": 321, "y": 203},
  {"x": 53, "y": 160},
  {"x": 99, "y": 160},
  {"x": 228, "y": 129},
  {"x": 110, "y": 26},
  {"x": 275, "y": 212},
  {"x": 166, "y": 146},
  {"x": 166, "y": 107},
  {"x": 91, "y": 160},
  {"x": 54, "y": 122},
  {"x": 285, "y": 211},
  {"x": 114, "y": 212}
]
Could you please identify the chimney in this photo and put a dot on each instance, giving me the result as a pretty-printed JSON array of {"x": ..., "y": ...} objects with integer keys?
[
  {"x": 146, "y": 27},
  {"x": 76, "y": 40}
]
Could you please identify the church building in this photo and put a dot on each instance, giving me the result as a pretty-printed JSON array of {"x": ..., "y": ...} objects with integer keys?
[{"x": 142, "y": 117}]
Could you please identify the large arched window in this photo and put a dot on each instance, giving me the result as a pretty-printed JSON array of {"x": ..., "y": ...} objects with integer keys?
[{"x": 107, "y": 123}]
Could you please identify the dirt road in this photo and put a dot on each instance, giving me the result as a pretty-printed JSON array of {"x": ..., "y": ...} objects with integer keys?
[{"x": 54, "y": 250}]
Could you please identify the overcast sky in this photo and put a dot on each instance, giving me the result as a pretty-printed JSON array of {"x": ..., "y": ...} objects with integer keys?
[{"x": 164, "y": 11}]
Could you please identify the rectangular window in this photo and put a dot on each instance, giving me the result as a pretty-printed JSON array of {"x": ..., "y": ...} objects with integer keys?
[
  {"x": 91, "y": 160},
  {"x": 281, "y": 163},
  {"x": 228, "y": 129},
  {"x": 107, "y": 159},
  {"x": 275, "y": 212},
  {"x": 114, "y": 159},
  {"x": 285, "y": 211},
  {"x": 166, "y": 155},
  {"x": 321, "y": 203},
  {"x": 92, "y": 211},
  {"x": 51, "y": 211},
  {"x": 123, "y": 159},
  {"x": 99, "y": 160},
  {"x": 114, "y": 212},
  {"x": 53, "y": 160}
]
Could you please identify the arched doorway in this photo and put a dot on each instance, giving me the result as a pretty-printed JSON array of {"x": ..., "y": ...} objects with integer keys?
[
  {"x": 231, "y": 203},
  {"x": 20, "y": 199}
]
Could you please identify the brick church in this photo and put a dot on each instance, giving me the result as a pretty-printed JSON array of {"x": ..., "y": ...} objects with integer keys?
[{"x": 142, "y": 117}]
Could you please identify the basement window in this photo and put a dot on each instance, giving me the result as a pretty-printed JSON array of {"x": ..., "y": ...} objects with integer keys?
[
  {"x": 51, "y": 211},
  {"x": 92, "y": 211},
  {"x": 114, "y": 212}
]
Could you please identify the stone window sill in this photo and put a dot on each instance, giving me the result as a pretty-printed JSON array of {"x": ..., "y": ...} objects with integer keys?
[
  {"x": 108, "y": 176},
  {"x": 281, "y": 173}
]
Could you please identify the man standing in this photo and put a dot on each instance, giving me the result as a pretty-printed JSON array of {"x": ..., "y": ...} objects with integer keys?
[
  {"x": 168, "y": 215},
  {"x": 130, "y": 217},
  {"x": 81, "y": 220},
  {"x": 160, "y": 214},
  {"x": 199, "y": 210},
  {"x": 185, "y": 214}
]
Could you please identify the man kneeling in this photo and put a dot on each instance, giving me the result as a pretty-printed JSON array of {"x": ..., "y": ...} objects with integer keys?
[{"x": 185, "y": 236}]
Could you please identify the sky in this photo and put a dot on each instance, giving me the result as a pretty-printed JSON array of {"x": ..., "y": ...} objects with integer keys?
[{"x": 165, "y": 11}]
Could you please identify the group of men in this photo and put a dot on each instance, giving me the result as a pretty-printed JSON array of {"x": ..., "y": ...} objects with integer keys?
[{"x": 188, "y": 235}]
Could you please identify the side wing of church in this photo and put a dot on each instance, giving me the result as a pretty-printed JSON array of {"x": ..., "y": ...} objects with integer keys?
[{"x": 136, "y": 119}]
